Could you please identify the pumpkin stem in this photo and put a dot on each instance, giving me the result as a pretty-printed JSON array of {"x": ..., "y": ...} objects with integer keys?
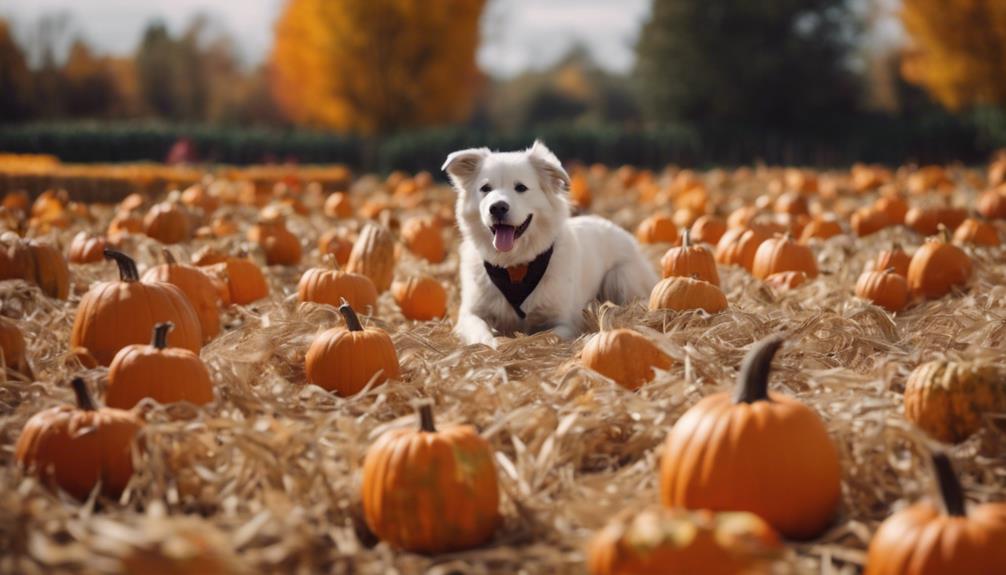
[
  {"x": 160, "y": 338},
  {"x": 752, "y": 381},
  {"x": 426, "y": 418},
  {"x": 169, "y": 258},
  {"x": 944, "y": 233},
  {"x": 951, "y": 492},
  {"x": 127, "y": 267},
  {"x": 84, "y": 399},
  {"x": 889, "y": 270},
  {"x": 352, "y": 321},
  {"x": 686, "y": 238}
]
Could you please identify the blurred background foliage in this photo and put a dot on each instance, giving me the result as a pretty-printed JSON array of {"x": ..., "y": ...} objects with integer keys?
[{"x": 395, "y": 83}]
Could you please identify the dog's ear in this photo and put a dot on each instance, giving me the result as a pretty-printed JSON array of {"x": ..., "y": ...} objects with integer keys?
[
  {"x": 462, "y": 165},
  {"x": 551, "y": 175}
]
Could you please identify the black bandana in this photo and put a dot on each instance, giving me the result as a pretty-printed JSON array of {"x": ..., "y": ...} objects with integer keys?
[{"x": 516, "y": 283}]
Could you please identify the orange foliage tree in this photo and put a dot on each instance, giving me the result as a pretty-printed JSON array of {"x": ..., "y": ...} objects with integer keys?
[
  {"x": 376, "y": 66},
  {"x": 959, "y": 50}
]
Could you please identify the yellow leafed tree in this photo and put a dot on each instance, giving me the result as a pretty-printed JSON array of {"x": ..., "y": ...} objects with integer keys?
[
  {"x": 376, "y": 66},
  {"x": 959, "y": 50}
]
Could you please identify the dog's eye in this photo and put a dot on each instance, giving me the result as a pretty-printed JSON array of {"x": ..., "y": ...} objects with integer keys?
[
  {"x": 520, "y": 188},
  {"x": 486, "y": 188}
]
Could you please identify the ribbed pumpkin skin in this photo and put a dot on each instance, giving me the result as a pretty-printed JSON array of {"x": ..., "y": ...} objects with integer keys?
[
  {"x": 659, "y": 541},
  {"x": 738, "y": 246},
  {"x": 167, "y": 224},
  {"x": 895, "y": 258},
  {"x": 166, "y": 375},
  {"x": 36, "y": 263},
  {"x": 373, "y": 255},
  {"x": 344, "y": 361},
  {"x": 13, "y": 347},
  {"x": 689, "y": 260},
  {"x": 423, "y": 237},
  {"x": 330, "y": 287},
  {"x": 976, "y": 232},
  {"x": 431, "y": 492},
  {"x": 884, "y": 288},
  {"x": 86, "y": 249},
  {"x": 420, "y": 298},
  {"x": 708, "y": 230},
  {"x": 198, "y": 287},
  {"x": 683, "y": 294},
  {"x": 948, "y": 399},
  {"x": 783, "y": 255},
  {"x": 245, "y": 280},
  {"x": 115, "y": 314},
  {"x": 936, "y": 267},
  {"x": 625, "y": 356}
]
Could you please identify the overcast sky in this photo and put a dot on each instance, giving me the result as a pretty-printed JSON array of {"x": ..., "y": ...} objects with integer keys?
[{"x": 517, "y": 34}]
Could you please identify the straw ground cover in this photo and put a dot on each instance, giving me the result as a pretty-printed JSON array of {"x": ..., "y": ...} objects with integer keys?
[{"x": 266, "y": 477}]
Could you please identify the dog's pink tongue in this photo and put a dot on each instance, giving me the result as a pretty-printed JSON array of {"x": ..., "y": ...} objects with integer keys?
[{"x": 503, "y": 238}]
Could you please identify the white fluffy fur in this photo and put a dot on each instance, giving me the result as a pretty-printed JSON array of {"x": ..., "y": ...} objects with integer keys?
[{"x": 593, "y": 258}]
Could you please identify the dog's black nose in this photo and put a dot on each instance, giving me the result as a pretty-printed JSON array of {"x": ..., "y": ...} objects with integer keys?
[{"x": 499, "y": 210}]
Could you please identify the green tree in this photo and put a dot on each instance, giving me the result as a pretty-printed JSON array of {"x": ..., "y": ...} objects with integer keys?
[{"x": 775, "y": 64}]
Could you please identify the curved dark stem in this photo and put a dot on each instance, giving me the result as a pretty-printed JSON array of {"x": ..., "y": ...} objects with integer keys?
[
  {"x": 686, "y": 238},
  {"x": 84, "y": 399},
  {"x": 951, "y": 492},
  {"x": 752, "y": 381},
  {"x": 169, "y": 258},
  {"x": 352, "y": 321},
  {"x": 160, "y": 338},
  {"x": 127, "y": 267},
  {"x": 426, "y": 418}
]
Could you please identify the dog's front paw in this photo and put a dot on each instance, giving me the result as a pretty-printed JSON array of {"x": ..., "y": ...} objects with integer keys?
[{"x": 474, "y": 331}]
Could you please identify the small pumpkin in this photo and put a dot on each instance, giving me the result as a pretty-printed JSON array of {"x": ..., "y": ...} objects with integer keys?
[
  {"x": 346, "y": 359},
  {"x": 280, "y": 245},
  {"x": 778, "y": 445},
  {"x": 708, "y": 229},
  {"x": 420, "y": 298},
  {"x": 940, "y": 537},
  {"x": 894, "y": 206},
  {"x": 685, "y": 293},
  {"x": 786, "y": 280},
  {"x": 125, "y": 223},
  {"x": 885, "y": 288},
  {"x": 112, "y": 315},
  {"x": 894, "y": 258},
  {"x": 244, "y": 279},
  {"x": 976, "y": 232},
  {"x": 86, "y": 248},
  {"x": 937, "y": 267},
  {"x": 167, "y": 375},
  {"x": 792, "y": 203},
  {"x": 13, "y": 348},
  {"x": 35, "y": 262},
  {"x": 202, "y": 290},
  {"x": 738, "y": 246},
  {"x": 430, "y": 490},
  {"x": 373, "y": 255},
  {"x": 927, "y": 221},
  {"x": 948, "y": 399},
  {"x": 782, "y": 254},
  {"x": 337, "y": 243},
  {"x": 660, "y": 541},
  {"x": 75, "y": 447},
  {"x": 742, "y": 217},
  {"x": 579, "y": 190},
  {"x": 167, "y": 223},
  {"x": 333, "y": 286},
  {"x": 869, "y": 220},
  {"x": 992, "y": 204},
  {"x": 690, "y": 260},
  {"x": 820, "y": 228},
  {"x": 200, "y": 196},
  {"x": 657, "y": 229},
  {"x": 625, "y": 356},
  {"x": 423, "y": 237}
]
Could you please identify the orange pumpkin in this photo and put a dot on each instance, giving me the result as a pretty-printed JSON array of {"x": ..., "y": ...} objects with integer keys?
[
  {"x": 657, "y": 229},
  {"x": 937, "y": 267},
  {"x": 337, "y": 243},
  {"x": 685, "y": 293},
  {"x": 420, "y": 298},
  {"x": 786, "y": 280},
  {"x": 373, "y": 255},
  {"x": 167, "y": 223},
  {"x": 738, "y": 246},
  {"x": 36, "y": 263},
  {"x": 885, "y": 288},
  {"x": 936, "y": 538},
  {"x": 625, "y": 356},
  {"x": 894, "y": 206},
  {"x": 927, "y": 221},
  {"x": 12, "y": 346},
  {"x": 86, "y": 248},
  {"x": 708, "y": 229},
  {"x": 74, "y": 448},
  {"x": 949, "y": 399},
  {"x": 780, "y": 447},
  {"x": 820, "y": 228},
  {"x": 431, "y": 491},
  {"x": 742, "y": 217},
  {"x": 125, "y": 223},
  {"x": 345, "y": 360},
  {"x": 280, "y": 246},
  {"x": 690, "y": 260},
  {"x": 333, "y": 286},
  {"x": 200, "y": 196},
  {"x": 894, "y": 258},
  {"x": 782, "y": 254},
  {"x": 792, "y": 203},
  {"x": 992, "y": 204},
  {"x": 869, "y": 220},
  {"x": 201, "y": 290},
  {"x": 423, "y": 237},
  {"x": 166, "y": 375},
  {"x": 245, "y": 281},
  {"x": 112, "y": 315},
  {"x": 976, "y": 232},
  {"x": 661, "y": 541},
  {"x": 579, "y": 190}
]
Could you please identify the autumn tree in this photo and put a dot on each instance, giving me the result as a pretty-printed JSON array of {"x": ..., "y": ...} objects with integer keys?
[
  {"x": 958, "y": 50},
  {"x": 376, "y": 66}
]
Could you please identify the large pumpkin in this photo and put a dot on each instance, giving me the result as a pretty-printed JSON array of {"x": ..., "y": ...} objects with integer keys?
[
  {"x": 420, "y": 298},
  {"x": 948, "y": 399},
  {"x": 164, "y": 374},
  {"x": 333, "y": 286},
  {"x": 625, "y": 356},
  {"x": 661, "y": 541},
  {"x": 683, "y": 294},
  {"x": 75, "y": 447},
  {"x": 941, "y": 537},
  {"x": 431, "y": 491},
  {"x": 690, "y": 260},
  {"x": 937, "y": 267},
  {"x": 755, "y": 451},
  {"x": 373, "y": 255},
  {"x": 36, "y": 263},
  {"x": 202, "y": 290},
  {"x": 112, "y": 315},
  {"x": 346, "y": 359},
  {"x": 13, "y": 348},
  {"x": 423, "y": 237},
  {"x": 782, "y": 254}
]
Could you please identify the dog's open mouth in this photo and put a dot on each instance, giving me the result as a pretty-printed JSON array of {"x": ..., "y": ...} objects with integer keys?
[{"x": 504, "y": 236}]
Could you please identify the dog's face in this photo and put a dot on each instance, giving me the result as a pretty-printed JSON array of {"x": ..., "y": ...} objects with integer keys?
[{"x": 511, "y": 204}]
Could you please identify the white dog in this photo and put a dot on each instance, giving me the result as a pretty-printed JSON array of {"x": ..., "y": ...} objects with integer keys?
[{"x": 525, "y": 264}]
